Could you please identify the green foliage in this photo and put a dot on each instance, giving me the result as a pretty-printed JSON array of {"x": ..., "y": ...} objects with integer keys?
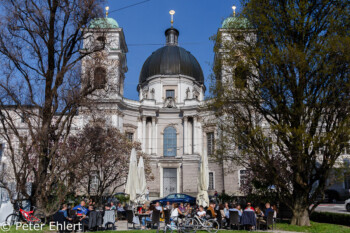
[
  {"x": 282, "y": 96},
  {"x": 123, "y": 198},
  {"x": 333, "y": 218}
]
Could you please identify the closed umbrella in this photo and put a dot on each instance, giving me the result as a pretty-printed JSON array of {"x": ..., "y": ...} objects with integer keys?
[
  {"x": 142, "y": 180},
  {"x": 203, "y": 181},
  {"x": 132, "y": 184}
]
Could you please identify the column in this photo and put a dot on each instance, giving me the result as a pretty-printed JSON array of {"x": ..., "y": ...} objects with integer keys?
[
  {"x": 154, "y": 135},
  {"x": 185, "y": 135},
  {"x": 200, "y": 137},
  {"x": 149, "y": 137},
  {"x": 144, "y": 134},
  {"x": 195, "y": 135},
  {"x": 189, "y": 137}
]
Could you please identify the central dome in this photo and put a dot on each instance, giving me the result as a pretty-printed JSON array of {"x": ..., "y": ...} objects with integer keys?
[{"x": 171, "y": 60}]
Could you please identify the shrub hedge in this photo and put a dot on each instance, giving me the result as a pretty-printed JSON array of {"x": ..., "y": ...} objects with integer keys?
[{"x": 328, "y": 217}]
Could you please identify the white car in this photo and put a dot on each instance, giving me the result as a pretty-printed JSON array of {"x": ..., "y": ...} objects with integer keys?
[{"x": 347, "y": 205}]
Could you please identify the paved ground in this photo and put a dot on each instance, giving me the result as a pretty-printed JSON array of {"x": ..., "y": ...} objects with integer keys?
[{"x": 335, "y": 208}]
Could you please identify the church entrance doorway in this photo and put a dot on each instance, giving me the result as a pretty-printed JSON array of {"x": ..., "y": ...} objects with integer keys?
[{"x": 169, "y": 181}]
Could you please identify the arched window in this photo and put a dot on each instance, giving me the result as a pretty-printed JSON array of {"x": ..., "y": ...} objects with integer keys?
[
  {"x": 100, "y": 79},
  {"x": 170, "y": 141},
  {"x": 100, "y": 42}
]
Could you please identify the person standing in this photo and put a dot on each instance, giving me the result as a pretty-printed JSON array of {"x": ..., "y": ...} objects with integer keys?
[{"x": 147, "y": 193}]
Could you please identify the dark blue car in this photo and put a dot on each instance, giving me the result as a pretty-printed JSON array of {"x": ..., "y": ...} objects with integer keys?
[{"x": 176, "y": 198}]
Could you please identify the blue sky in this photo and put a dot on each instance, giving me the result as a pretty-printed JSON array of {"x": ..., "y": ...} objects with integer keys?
[{"x": 197, "y": 21}]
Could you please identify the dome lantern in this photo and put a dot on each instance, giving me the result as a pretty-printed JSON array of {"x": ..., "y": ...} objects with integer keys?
[{"x": 172, "y": 35}]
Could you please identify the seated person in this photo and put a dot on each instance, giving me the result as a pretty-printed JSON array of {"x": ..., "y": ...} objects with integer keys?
[
  {"x": 158, "y": 206},
  {"x": 120, "y": 210},
  {"x": 168, "y": 206},
  {"x": 81, "y": 209},
  {"x": 176, "y": 213},
  {"x": 233, "y": 208},
  {"x": 268, "y": 209},
  {"x": 226, "y": 208},
  {"x": 113, "y": 206},
  {"x": 212, "y": 209},
  {"x": 64, "y": 211},
  {"x": 188, "y": 210},
  {"x": 182, "y": 207},
  {"x": 249, "y": 207},
  {"x": 147, "y": 219},
  {"x": 259, "y": 215},
  {"x": 222, "y": 212},
  {"x": 201, "y": 212},
  {"x": 239, "y": 208}
]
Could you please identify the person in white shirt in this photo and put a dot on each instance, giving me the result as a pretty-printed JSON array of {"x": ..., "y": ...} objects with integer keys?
[
  {"x": 201, "y": 213},
  {"x": 158, "y": 207},
  {"x": 175, "y": 213}
]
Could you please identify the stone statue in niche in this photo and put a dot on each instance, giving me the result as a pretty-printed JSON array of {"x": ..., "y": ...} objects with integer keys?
[
  {"x": 188, "y": 93},
  {"x": 195, "y": 94},
  {"x": 145, "y": 93},
  {"x": 152, "y": 94}
]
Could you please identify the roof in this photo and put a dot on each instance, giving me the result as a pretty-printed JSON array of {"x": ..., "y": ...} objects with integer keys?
[
  {"x": 171, "y": 60},
  {"x": 103, "y": 23}
]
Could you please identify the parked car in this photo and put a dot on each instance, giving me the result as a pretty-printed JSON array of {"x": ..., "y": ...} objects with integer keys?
[
  {"x": 347, "y": 205},
  {"x": 176, "y": 198}
]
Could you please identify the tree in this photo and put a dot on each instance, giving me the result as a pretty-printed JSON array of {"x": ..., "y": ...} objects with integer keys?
[
  {"x": 106, "y": 154},
  {"x": 41, "y": 91},
  {"x": 285, "y": 95}
]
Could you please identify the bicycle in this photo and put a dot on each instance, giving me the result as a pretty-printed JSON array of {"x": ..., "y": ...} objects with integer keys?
[
  {"x": 20, "y": 215},
  {"x": 209, "y": 225},
  {"x": 185, "y": 227}
]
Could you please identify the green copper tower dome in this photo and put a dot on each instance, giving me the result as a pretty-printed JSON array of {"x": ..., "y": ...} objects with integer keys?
[
  {"x": 234, "y": 22},
  {"x": 103, "y": 23}
]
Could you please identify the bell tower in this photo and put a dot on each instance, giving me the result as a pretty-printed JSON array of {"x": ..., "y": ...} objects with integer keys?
[{"x": 105, "y": 65}]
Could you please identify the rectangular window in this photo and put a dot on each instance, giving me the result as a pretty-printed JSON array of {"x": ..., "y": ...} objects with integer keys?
[
  {"x": 243, "y": 178},
  {"x": 211, "y": 181},
  {"x": 170, "y": 93},
  {"x": 210, "y": 143},
  {"x": 94, "y": 182},
  {"x": 130, "y": 136}
]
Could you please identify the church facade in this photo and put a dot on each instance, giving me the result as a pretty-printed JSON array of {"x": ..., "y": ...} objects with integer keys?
[{"x": 168, "y": 119}]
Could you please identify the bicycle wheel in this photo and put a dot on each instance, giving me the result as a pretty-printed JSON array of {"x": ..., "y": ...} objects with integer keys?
[
  {"x": 168, "y": 229},
  {"x": 211, "y": 226},
  {"x": 187, "y": 228},
  {"x": 193, "y": 223},
  {"x": 12, "y": 219}
]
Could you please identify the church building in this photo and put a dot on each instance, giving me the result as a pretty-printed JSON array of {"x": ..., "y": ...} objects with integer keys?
[{"x": 168, "y": 119}]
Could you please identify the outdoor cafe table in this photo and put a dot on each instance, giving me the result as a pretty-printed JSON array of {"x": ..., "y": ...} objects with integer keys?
[{"x": 142, "y": 215}]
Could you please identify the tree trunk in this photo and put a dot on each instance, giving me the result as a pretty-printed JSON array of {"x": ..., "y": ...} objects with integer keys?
[{"x": 300, "y": 215}]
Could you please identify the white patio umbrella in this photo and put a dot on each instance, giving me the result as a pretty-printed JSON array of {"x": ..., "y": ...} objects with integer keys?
[
  {"x": 203, "y": 181},
  {"x": 132, "y": 184},
  {"x": 142, "y": 180}
]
